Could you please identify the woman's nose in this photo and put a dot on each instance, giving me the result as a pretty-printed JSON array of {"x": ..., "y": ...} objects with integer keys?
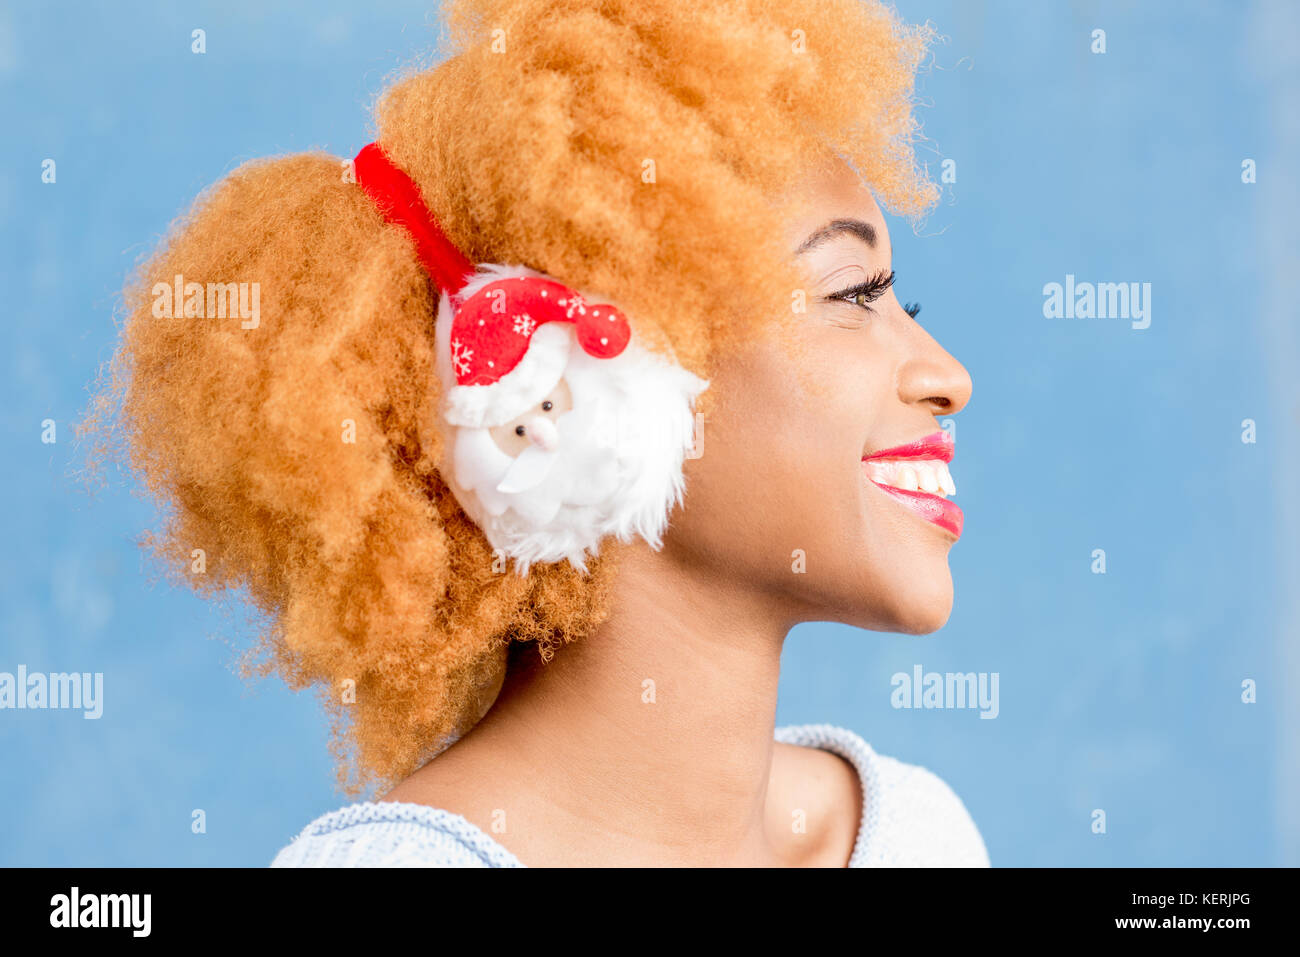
[{"x": 933, "y": 378}]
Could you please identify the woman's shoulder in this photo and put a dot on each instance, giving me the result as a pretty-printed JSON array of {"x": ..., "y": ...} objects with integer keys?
[
  {"x": 910, "y": 815},
  {"x": 393, "y": 834}
]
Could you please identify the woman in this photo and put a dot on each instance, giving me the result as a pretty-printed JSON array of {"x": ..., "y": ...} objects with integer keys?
[{"x": 538, "y": 647}]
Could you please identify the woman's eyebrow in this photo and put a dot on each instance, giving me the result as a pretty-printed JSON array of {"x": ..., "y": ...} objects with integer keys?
[{"x": 854, "y": 227}]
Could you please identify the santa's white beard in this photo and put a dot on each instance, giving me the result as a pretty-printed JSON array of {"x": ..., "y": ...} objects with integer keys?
[{"x": 616, "y": 470}]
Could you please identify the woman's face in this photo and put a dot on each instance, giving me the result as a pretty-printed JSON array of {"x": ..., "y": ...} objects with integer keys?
[{"x": 790, "y": 492}]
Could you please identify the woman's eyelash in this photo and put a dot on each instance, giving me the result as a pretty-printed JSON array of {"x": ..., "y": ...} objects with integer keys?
[{"x": 867, "y": 292}]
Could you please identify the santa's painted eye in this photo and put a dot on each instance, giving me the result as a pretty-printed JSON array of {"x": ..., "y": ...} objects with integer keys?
[
  {"x": 548, "y": 405},
  {"x": 519, "y": 430}
]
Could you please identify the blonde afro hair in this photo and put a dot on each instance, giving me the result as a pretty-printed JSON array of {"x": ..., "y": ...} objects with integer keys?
[{"x": 633, "y": 148}]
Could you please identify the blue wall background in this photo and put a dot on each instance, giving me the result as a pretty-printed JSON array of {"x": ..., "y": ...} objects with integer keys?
[{"x": 1119, "y": 691}]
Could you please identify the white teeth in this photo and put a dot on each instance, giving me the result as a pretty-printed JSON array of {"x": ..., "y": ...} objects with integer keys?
[
  {"x": 929, "y": 481},
  {"x": 912, "y": 475},
  {"x": 945, "y": 480}
]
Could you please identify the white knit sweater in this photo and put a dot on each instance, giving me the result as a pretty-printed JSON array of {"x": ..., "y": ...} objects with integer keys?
[{"x": 910, "y": 818}]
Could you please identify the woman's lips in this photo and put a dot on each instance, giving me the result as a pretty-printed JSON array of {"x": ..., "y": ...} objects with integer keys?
[
  {"x": 917, "y": 476},
  {"x": 937, "y": 445},
  {"x": 932, "y": 508}
]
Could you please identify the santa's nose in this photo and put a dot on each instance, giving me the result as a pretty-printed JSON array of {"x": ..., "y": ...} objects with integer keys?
[{"x": 543, "y": 434}]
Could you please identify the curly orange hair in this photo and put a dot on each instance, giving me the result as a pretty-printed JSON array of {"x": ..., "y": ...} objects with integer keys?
[{"x": 632, "y": 148}]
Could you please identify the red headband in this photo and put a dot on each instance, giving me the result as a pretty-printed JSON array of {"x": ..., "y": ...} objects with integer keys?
[
  {"x": 492, "y": 329},
  {"x": 398, "y": 200}
]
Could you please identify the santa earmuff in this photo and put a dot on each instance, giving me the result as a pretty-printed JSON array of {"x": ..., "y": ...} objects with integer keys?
[{"x": 561, "y": 428}]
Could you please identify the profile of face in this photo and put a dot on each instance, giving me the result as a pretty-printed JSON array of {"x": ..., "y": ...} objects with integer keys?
[{"x": 816, "y": 484}]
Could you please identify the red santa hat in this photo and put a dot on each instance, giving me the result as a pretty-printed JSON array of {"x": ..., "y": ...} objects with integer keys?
[{"x": 509, "y": 342}]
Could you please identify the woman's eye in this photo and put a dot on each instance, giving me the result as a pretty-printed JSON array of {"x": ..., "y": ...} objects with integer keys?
[
  {"x": 861, "y": 298},
  {"x": 865, "y": 293}
]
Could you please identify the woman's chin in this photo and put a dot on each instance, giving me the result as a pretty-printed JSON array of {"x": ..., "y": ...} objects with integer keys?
[
  {"x": 923, "y": 621},
  {"x": 916, "y": 605}
]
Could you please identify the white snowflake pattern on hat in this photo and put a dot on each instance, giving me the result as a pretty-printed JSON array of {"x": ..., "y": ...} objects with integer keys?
[
  {"x": 574, "y": 304},
  {"x": 460, "y": 356}
]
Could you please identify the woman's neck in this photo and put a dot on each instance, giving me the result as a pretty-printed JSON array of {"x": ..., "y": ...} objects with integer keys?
[{"x": 648, "y": 741}]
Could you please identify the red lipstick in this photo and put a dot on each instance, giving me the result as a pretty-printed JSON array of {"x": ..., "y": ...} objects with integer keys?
[
  {"x": 919, "y": 464},
  {"x": 938, "y": 445}
]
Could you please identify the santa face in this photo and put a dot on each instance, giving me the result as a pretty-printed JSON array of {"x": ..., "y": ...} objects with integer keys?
[
  {"x": 598, "y": 455},
  {"x": 536, "y": 427}
]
